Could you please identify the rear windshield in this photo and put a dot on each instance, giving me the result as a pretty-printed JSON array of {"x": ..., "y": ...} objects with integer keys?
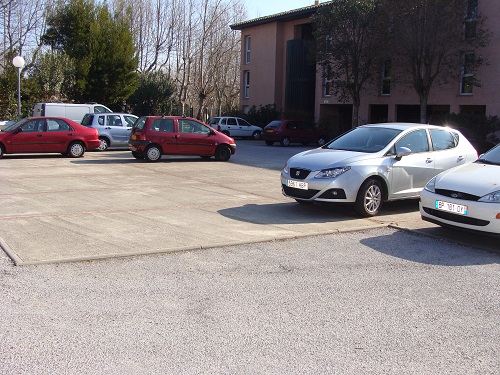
[
  {"x": 274, "y": 124},
  {"x": 139, "y": 124},
  {"x": 87, "y": 119}
]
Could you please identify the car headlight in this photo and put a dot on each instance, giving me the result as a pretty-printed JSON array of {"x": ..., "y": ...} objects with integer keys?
[
  {"x": 332, "y": 172},
  {"x": 285, "y": 169},
  {"x": 491, "y": 198},
  {"x": 431, "y": 185}
]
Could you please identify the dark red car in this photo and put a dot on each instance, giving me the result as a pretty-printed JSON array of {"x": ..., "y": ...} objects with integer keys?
[
  {"x": 293, "y": 131},
  {"x": 48, "y": 134},
  {"x": 154, "y": 136}
]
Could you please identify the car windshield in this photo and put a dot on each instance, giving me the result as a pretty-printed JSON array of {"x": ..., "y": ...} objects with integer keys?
[
  {"x": 14, "y": 126},
  {"x": 491, "y": 157},
  {"x": 364, "y": 139}
]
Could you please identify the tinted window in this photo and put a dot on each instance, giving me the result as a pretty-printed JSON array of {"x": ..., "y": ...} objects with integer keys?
[
  {"x": 163, "y": 125},
  {"x": 139, "y": 124},
  {"x": 243, "y": 122},
  {"x": 442, "y": 139},
  {"x": 100, "y": 120},
  {"x": 364, "y": 139},
  {"x": 33, "y": 126},
  {"x": 87, "y": 119},
  {"x": 416, "y": 141},
  {"x": 274, "y": 124},
  {"x": 56, "y": 125},
  {"x": 213, "y": 121},
  {"x": 192, "y": 127},
  {"x": 114, "y": 120},
  {"x": 231, "y": 121}
]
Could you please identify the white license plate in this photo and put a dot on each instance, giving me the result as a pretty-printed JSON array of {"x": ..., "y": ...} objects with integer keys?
[
  {"x": 297, "y": 184},
  {"x": 451, "y": 207}
]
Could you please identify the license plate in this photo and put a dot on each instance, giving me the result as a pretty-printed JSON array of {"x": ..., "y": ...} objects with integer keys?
[
  {"x": 297, "y": 184},
  {"x": 451, "y": 207}
]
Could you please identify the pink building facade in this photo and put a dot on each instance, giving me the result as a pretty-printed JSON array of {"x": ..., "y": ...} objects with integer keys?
[{"x": 274, "y": 72}]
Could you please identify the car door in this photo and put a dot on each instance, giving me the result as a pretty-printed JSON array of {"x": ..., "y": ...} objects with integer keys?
[
  {"x": 164, "y": 133},
  {"x": 30, "y": 137},
  {"x": 233, "y": 127},
  {"x": 117, "y": 130},
  {"x": 447, "y": 154},
  {"x": 410, "y": 173},
  {"x": 58, "y": 135},
  {"x": 194, "y": 138},
  {"x": 245, "y": 129}
]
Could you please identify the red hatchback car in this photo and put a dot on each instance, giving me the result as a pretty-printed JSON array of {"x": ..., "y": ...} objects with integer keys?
[
  {"x": 48, "y": 134},
  {"x": 154, "y": 136},
  {"x": 293, "y": 131}
]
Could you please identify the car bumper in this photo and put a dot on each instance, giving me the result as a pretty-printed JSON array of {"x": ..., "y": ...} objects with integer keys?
[
  {"x": 138, "y": 146},
  {"x": 480, "y": 217},
  {"x": 343, "y": 188},
  {"x": 93, "y": 144}
]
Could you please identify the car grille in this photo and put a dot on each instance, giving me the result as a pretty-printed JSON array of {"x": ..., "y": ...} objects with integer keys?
[
  {"x": 456, "y": 218},
  {"x": 457, "y": 195},
  {"x": 299, "y": 193},
  {"x": 298, "y": 173}
]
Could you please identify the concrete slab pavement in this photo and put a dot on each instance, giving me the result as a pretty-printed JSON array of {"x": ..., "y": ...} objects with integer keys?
[{"x": 107, "y": 204}]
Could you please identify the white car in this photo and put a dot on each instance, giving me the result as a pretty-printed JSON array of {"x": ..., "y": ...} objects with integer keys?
[
  {"x": 235, "y": 127},
  {"x": 375, "y": 163},
  {"x": 466, "y": 197}
]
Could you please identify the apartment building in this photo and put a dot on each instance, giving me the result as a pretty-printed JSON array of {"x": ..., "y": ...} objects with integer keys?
[{"x": 276, "y": 68}]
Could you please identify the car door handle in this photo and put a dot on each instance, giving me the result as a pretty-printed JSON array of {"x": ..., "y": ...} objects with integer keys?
[
  {"x": 429, "y": 160},
  {"x": 107, "y": 127},
  {"x": 461, "y": 158},
  {"x": 39, "y": 135}
]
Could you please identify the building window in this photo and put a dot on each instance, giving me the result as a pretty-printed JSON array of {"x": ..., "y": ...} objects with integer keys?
[
  {"x": 246, "y": 77},
  {"x": 385, "y": 79},
  {"x": 247, "y": 49},
  {"x": 327, "y": 81},
  {"x": 471, "y": 19},
  {"x": 467, "y": 81}
]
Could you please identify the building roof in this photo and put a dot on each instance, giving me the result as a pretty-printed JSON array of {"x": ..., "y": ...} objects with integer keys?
[{"x": 281, "y": 17}]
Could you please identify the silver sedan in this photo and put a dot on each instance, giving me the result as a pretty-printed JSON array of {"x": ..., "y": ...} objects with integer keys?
[{"x": 375, "y": 163}]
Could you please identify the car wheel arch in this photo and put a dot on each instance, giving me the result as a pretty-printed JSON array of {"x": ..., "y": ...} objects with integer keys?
[{"x": 384, "y": 184}]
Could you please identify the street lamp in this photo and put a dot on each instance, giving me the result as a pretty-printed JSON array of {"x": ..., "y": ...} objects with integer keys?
[{"x": 18, "y": 62}]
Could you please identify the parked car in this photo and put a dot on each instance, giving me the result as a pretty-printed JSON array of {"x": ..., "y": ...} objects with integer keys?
[
  {"x": 375, "y": 163},
  {"x": 73, "y": 111},
  {"x": 154, "y": 136},
  {"x": 48, "y": 134},
  {"x": 114, "y": 128},
  {"x": 466, "y": 197},
  {"x": 235, "y": 127},
  {"x": 481, "y": 145},
  {"x": 293, "y": 131}
]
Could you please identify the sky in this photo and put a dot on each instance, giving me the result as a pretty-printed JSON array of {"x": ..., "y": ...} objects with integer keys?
[{"x": 262, "y": 8}]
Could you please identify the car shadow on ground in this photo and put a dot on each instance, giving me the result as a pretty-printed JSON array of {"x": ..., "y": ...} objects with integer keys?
[{"x": 444, "y": 253}]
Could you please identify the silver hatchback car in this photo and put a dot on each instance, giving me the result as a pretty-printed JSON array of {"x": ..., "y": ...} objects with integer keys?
[
  {"x": 114, "y": 128},
  {"x": 375, "y": 163}
]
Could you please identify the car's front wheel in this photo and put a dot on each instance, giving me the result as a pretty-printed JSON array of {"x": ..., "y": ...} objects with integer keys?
[
  {"x": 153, "y": 153},
  {"x": 76, "y": 150},
  {"x": 369, "y": 199},
  {"x": 104, "y": 144},
  {"x": 222, "y": 153},
  {"x": 285, "y": 141},
  {"x": 256, "y": 134}
]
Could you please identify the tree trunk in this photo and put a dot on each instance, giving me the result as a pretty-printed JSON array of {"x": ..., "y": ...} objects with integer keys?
[{"x": 423, "y": 109}]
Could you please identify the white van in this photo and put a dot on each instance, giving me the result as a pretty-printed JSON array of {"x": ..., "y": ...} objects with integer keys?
[{"x": 74, "y": 112}]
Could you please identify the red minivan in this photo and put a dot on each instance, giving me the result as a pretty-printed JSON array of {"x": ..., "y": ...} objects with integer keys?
[{"x": 154, "y": 136}]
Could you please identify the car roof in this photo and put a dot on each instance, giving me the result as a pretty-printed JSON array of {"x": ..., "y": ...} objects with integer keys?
[
  {"x": 402, "y": 125},
  {"x": 111, "y": 113}
]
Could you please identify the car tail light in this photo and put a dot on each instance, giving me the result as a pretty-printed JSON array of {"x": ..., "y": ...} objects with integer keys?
[
  {"x": 138, "y": 136},
  {"x": 96, "y": 133}
]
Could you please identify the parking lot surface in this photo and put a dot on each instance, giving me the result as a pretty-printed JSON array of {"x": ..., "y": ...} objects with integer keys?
[{"x": 107, "y": 204}]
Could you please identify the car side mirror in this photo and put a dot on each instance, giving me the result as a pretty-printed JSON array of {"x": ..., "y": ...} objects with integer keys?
[
  {"x": 402, "y": 151},
  {"x": 18, "y": 130}
]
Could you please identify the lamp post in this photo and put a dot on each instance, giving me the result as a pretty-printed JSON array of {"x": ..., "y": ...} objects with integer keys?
[{"x": 18, "y": 62}]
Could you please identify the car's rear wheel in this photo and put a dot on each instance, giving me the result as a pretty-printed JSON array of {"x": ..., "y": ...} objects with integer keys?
[
  {"x": 269, "y": 143},
  {"x": 138, "y": 155},
  {"x": 75, "y": 150},
  {"x": 285, "y": 141},
  {"x": 369, "y": 199},
  {"x": 256, "y": 134},
  {"x": 222, "y": 153},
  {"x": 152, "y": 153},
  {"x": 104, "y": 144}
]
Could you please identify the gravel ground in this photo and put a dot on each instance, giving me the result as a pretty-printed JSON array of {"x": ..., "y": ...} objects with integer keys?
[{"x": 373, "y": 302}]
